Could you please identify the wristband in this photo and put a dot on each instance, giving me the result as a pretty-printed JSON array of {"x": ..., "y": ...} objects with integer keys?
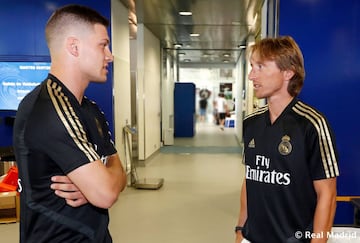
[{"x": 238, "y": 228}]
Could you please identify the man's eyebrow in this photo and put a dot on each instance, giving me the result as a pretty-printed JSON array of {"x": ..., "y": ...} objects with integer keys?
[
  {"x": 106, "y": 40},
  {"x": 256, "y": 61}
]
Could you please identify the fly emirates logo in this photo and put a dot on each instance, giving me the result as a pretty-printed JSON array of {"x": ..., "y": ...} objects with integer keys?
[{"x": 262, "y": 173}]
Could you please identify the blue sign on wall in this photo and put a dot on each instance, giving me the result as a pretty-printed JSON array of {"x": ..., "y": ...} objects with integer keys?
[
  {"x": 22, "y": 24},
  {"x": 17, "y": 79}
]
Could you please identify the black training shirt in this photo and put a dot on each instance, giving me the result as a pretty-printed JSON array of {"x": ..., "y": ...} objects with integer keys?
[
  {"x": 53, "y": 135},
  {"x": 282, "y": 160}
]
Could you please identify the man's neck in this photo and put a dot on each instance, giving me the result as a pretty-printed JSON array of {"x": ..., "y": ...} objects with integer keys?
[
  {"x": 73, "y": 83},
  {"x": 277, "y": 106}
]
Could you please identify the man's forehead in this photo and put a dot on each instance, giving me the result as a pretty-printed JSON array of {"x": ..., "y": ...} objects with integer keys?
[
  {"x": 256, "y": 57},
  {"x": 101, "y": 30}
]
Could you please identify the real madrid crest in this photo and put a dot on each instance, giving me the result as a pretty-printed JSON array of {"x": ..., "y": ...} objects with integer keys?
[{"x": 285, "y": 146}]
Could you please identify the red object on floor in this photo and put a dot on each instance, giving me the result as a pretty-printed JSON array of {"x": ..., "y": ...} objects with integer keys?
[{"x": 10, "y": 182}]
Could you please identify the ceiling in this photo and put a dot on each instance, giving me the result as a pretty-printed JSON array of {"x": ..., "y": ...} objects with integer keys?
[{"x": 223, "y": 27}]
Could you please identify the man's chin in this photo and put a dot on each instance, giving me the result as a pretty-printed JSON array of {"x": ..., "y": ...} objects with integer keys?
[
  {"x": 99, "y": 79},
  {"x": 259, "y": 95}
]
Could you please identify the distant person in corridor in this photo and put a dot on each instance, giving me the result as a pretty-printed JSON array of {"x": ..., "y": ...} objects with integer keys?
[
  {"x": 221, "y": 108},
  {"x": 69, "y": 170},
  {"x": 290, "y": 157},
  {"x": 203, "y": 106}
]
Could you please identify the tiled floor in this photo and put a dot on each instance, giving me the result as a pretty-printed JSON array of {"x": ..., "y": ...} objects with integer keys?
[{"x": 198, "y": 202}]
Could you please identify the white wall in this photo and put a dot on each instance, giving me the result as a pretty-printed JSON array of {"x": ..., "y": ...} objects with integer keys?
[
  {"x": 239, "y": 98},
  {"x": 148, "y": 88},
  {"x": 121, "y": 52},
  {"x": 167, "y": 98}
]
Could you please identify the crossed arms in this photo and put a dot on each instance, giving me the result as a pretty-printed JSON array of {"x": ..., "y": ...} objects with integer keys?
[{"x": 94, "y": 183}]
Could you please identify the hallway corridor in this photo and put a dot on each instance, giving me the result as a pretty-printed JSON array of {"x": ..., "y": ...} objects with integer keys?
[{"x": 199, "y": 201}]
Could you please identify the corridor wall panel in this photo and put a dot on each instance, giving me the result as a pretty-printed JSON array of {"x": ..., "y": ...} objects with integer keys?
[{"x": 184, "y": 110}]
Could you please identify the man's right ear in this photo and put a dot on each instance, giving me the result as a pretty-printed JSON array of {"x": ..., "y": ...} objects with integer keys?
[{"x": 72, "y": 46}]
